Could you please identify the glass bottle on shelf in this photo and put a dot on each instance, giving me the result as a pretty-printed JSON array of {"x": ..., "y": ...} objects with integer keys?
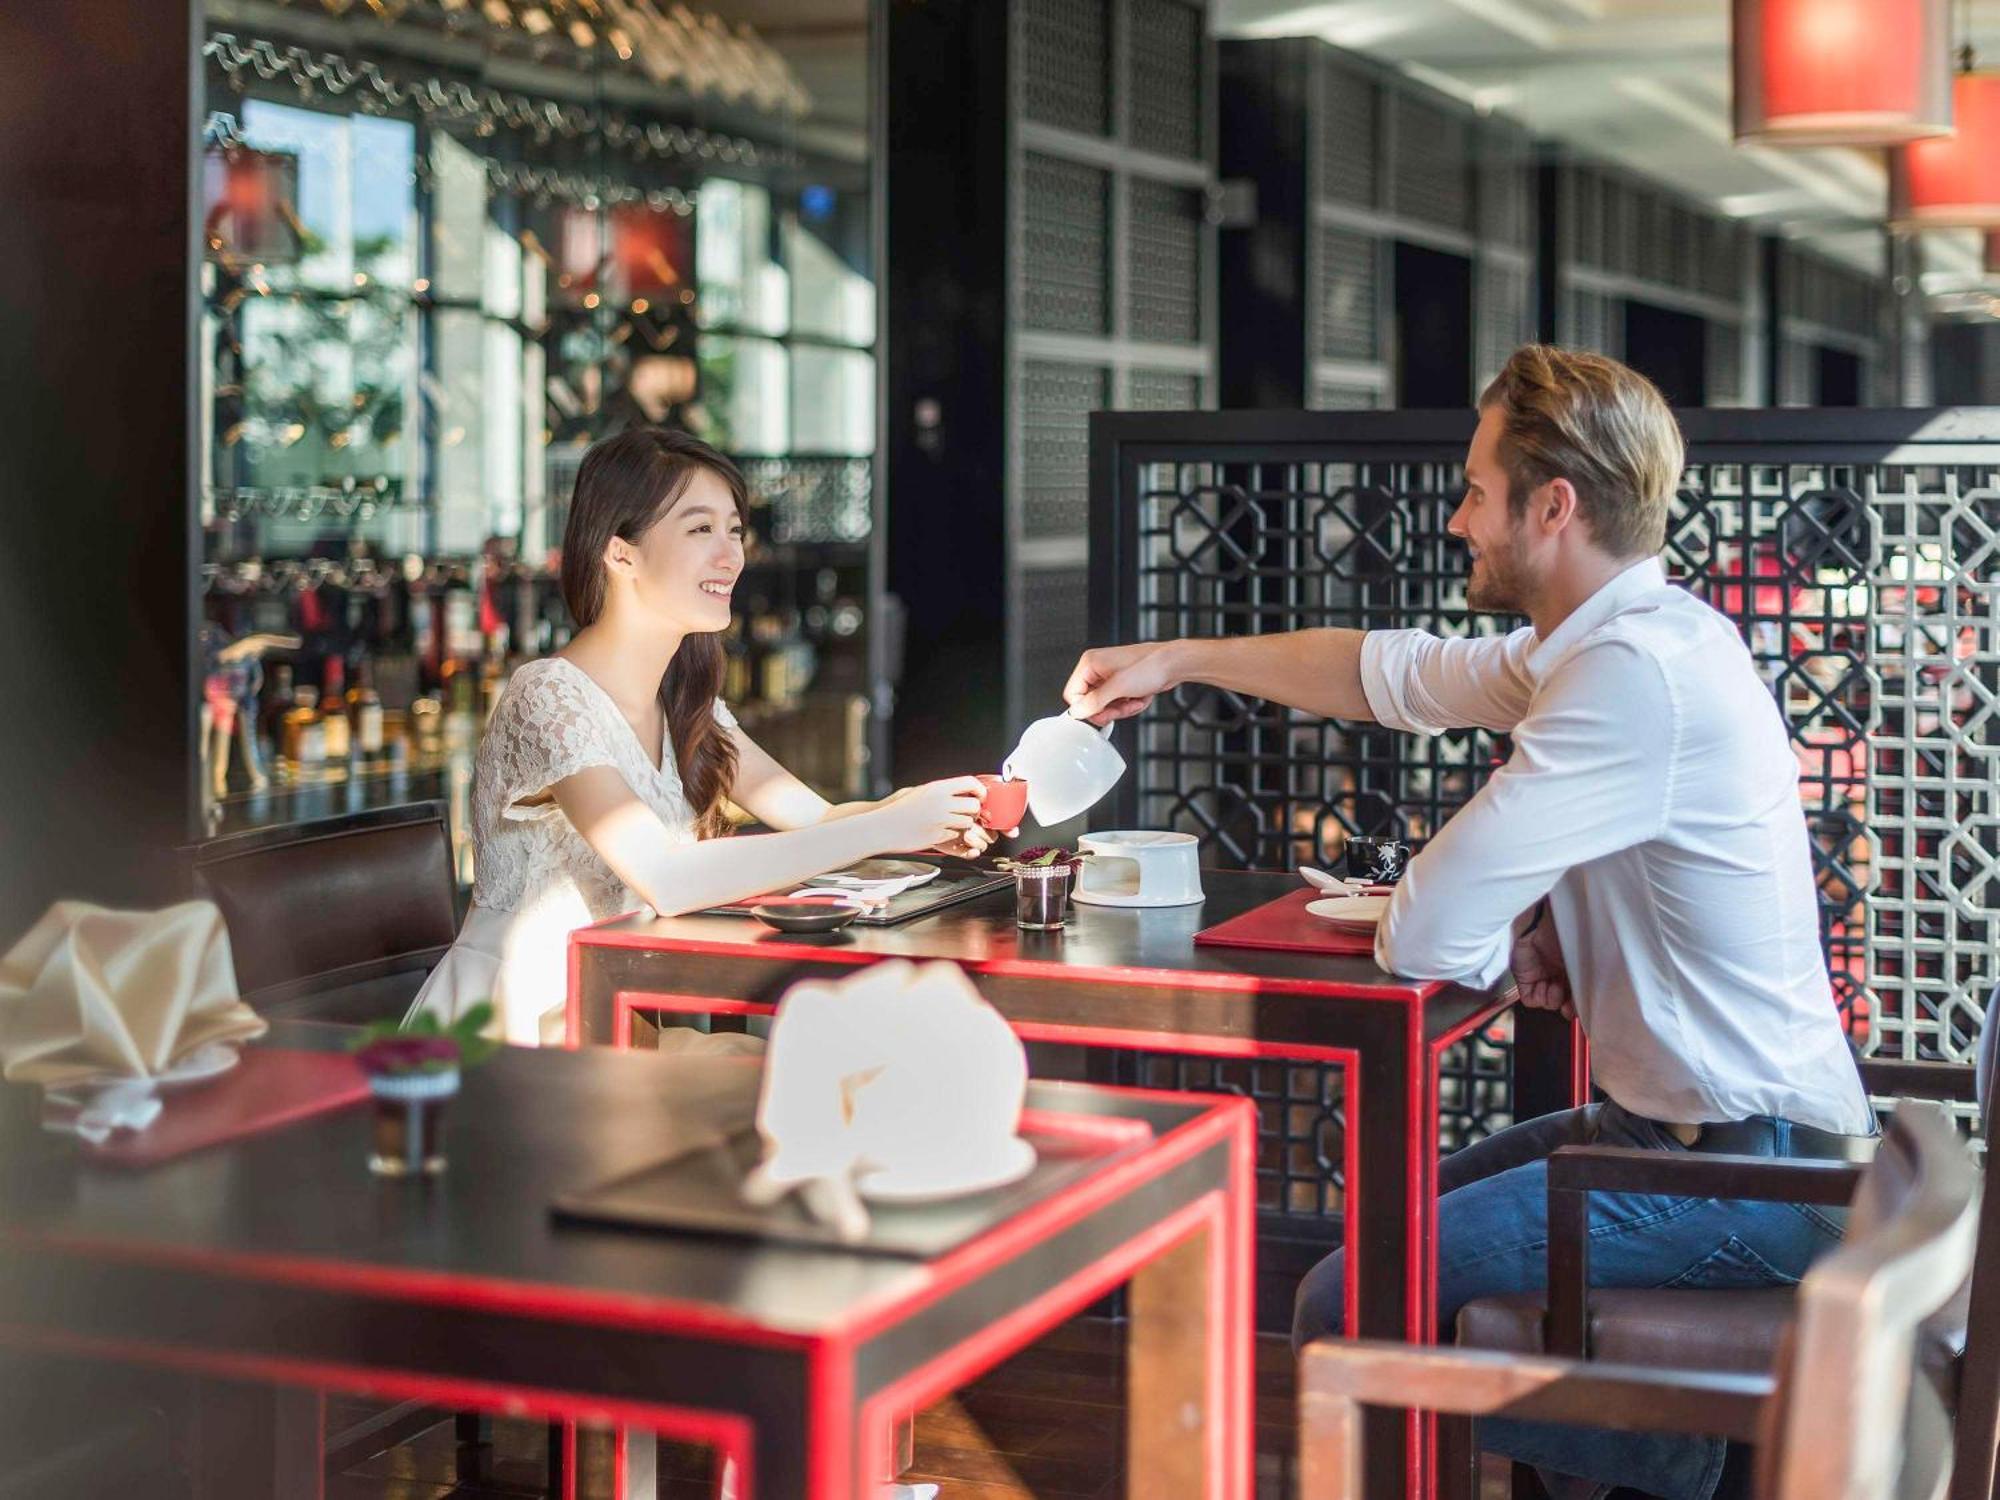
[
  {"x": 304, "y": 747},
  {"x": 336, "y": 732},
  {"x": 365, "y": 708}
]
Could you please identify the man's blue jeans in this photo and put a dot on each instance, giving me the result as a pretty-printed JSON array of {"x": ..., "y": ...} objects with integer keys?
[{"x": 1493, "y": 1238}]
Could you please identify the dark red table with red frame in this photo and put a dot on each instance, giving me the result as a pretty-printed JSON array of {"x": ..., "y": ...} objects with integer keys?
[
  {"x": 279, "y": 1260},
  {"x": 1136, "y": 980}
]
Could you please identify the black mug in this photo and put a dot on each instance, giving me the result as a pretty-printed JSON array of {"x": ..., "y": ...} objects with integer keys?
[{"x": 1378, "y": 861}]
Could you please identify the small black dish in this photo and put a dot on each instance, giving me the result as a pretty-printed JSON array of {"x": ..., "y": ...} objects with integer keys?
[{"x": 806, "y": 916}]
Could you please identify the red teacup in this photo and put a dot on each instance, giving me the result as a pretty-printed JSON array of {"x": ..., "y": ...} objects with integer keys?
[{"x": 1003, "y": 803}]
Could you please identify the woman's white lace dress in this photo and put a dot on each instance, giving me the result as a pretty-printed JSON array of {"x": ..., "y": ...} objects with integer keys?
[{"x": 536, "y": 878}]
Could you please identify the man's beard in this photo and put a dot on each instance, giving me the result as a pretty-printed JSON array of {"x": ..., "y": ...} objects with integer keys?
[{"x": 1495, "y": 585}]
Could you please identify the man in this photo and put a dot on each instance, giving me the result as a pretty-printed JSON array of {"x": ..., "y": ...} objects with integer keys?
[{"x": 1641, "y": 862}]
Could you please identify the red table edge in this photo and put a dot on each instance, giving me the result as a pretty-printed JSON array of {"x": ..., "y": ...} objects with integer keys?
[
  {"x": 600, "y": 935},
  {"x": 644, "y": 1313}
]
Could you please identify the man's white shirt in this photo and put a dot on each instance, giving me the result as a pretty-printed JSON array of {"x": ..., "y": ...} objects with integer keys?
[{"x": 1653, "y": 797}]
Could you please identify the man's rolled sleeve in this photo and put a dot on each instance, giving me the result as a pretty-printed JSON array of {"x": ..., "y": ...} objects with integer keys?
[
  {"x": 1421, "y": 939},
  {"x": 1425, "y": 684}
]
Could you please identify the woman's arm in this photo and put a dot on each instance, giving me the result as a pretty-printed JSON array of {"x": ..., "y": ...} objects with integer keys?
[
  {"x": 778, "y": 799},
  {"x": 774, "y": 796},
  {"x": 674, "y": 878}
]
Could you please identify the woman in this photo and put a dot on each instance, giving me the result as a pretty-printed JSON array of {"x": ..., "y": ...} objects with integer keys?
[{"x": 601, "y": 780}]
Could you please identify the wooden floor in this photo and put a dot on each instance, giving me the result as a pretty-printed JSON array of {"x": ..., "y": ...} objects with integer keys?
[{"x": 1046, "y": 1425}]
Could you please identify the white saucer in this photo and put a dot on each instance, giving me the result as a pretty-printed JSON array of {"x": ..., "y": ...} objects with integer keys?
[
  {"x": 200, "y": 1065},
  {"x": 1350, "y": 911},
  {"x": 1010, "y": 1164},
  {"x": 1112, "y": 898}
]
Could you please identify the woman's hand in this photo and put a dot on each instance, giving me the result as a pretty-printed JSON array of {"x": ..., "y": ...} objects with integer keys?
[
  {"x": 932, "y": 815},
  {"x": 970, "y": 844}
]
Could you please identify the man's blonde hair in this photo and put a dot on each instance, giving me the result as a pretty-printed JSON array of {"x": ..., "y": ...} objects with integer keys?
[{"x": 1601, "y": 425}]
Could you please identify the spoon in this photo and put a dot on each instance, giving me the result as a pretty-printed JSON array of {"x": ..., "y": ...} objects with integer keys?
[{"x": 1339, "y": 885}]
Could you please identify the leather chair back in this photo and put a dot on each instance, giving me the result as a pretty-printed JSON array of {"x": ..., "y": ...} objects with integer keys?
[{"x": 338, "y": 919}]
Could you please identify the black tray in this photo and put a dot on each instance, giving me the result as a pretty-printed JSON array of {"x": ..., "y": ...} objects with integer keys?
[
  {"x": 701, "y": 1192},
  {"x": 948, "y": 889}
]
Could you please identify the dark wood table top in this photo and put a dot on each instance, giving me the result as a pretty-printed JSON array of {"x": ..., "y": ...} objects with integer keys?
[
  {"x": 298, "y": 1204},
  {"x": 1150, "y": 945}
]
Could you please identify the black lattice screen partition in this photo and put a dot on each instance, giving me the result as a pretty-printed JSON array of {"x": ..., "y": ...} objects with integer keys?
[{"x": 1856, "y": 551}]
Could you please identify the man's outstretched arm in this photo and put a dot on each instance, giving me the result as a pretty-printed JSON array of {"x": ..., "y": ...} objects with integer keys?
[{"x": 1316, "y": 671}]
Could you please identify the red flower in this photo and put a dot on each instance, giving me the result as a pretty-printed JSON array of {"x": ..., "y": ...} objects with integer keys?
[{"x": 408, "y": 1053}]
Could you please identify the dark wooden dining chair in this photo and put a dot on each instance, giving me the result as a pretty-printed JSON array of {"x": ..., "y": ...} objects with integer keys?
[
  {"x": 340, "y": 919},
  {"x": 1739, "y": 1330},
  {"x": 1840, "y": 1417}
]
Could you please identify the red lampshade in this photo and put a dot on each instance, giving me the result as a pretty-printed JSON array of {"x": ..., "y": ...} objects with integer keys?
[
  {"x": 1841, "y": 72},
  {"x": 1953, "y": 184}
]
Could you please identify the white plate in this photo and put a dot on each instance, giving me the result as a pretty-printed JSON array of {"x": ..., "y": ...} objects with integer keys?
[
  {"x": 888, "y": 1186},
  {"x": 200, "y": 1065},
  {"x": 1350, "y": 911},
  {"x": 878, "y": 872}
]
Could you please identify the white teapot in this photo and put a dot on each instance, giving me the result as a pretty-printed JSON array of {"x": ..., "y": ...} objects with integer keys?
[{"x": 1067, "y": 764}]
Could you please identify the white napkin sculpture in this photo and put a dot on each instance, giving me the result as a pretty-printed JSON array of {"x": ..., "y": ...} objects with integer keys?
[
  {"x": 98, "y": 1006},
  {"x": 900, "y": 1068}
]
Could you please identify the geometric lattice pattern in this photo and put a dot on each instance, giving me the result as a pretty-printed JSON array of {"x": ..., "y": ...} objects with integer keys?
[
  {"x": 1301, "y": 1123},
  {"x": 1868, "y": 592},
  {"x": 1238, "y": 549},
  {"x": 1065, "y": 270},
  {"x": 1164, "y": 76},
  {"x": 1066, "y": 55}
]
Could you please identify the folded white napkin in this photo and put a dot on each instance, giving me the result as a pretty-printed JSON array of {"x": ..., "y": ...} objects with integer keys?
[
  {"x": 898, "y": 1067},
  {"x": 97, "y": 1006},
  {"x": 95, "y": 1110}
]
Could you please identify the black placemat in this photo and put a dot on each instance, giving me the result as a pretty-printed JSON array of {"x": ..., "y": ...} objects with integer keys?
[
  {"x": 948, "y": 889},
  {"x": 701, "y": 1191}
]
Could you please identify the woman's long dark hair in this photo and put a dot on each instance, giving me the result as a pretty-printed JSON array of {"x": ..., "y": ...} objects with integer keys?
[{"x": 628, "y": 483}]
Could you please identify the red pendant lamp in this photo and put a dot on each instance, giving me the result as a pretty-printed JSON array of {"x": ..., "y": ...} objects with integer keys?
[
  {"x": 1955, "y": 183},
  {"x": 1841, "y": 72}
]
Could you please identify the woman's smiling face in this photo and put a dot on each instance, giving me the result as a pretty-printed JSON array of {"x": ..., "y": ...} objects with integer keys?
[{"x": 683, "y": 568}]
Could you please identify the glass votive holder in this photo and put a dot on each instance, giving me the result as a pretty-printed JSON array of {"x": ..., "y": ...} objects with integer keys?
[
  {"x": 406, "y": 1136},
  {"x": 1041, "y": 896}
]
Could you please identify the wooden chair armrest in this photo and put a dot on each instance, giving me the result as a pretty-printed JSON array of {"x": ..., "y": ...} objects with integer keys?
[
  {"x": 1575, "y": 1172},
  {"x": 1339, "y": 1376},
  {"x": 1707, "y": 1174},
  {"x": 1900, "y": 1078}
]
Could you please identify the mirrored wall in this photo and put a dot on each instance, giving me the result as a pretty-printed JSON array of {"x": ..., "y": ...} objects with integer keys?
[{"x": 450, "y": 244}]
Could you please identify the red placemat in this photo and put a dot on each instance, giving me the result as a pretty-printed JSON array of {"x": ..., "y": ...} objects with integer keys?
[
  {"x": 271, "y": 1087},
  {"x": 1285, "y": 926}
]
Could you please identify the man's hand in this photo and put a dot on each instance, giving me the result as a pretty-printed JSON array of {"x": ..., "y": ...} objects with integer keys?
[
  {"x": 1537, "y": 966},
  {"x": 1116, "y": 682}
]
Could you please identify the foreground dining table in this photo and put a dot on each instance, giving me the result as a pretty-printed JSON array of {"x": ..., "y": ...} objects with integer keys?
[
  {"x": 1134, "y": 980},
  {"x": 280, "y": 1261}
]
